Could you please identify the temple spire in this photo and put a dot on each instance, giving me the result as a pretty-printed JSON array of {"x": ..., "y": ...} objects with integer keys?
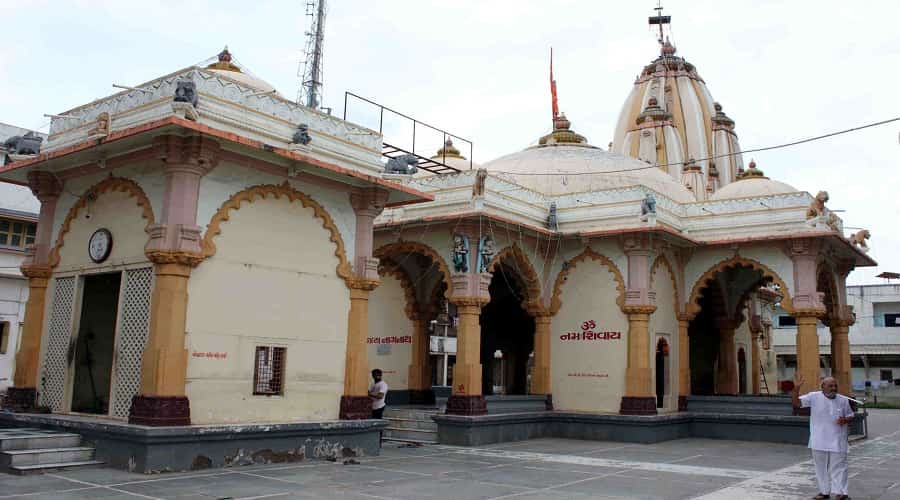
[{"x": 660, "y": 20}]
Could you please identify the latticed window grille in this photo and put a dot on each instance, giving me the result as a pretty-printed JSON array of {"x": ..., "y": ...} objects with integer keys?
[
  {"x": 59, "y": 350},
  {"x": 134, "y": 328},
  {"x": 268, "y": 371}
]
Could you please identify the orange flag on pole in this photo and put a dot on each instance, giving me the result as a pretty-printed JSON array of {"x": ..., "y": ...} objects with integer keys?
[{"x": 553, "y": 87}]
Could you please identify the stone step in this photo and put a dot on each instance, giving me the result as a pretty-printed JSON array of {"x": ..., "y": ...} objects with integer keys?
[
  {"x": 413, "y": 414},
  {"x": 42, "y": 440},
  {"x": 45, "y": 456},
  {"x": 411, "y": 423},
  {"x": 52, "y": 467},
  {"x": 411, "y": 441},
  {"x": 410, "y": 434}
]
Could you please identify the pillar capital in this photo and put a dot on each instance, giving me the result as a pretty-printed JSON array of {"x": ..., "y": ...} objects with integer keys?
[
  {"x": 36, "y": 272},
  {"x": 808, "y": 312},
  {"x": 368, "y": 202},
  {"x": 161, "y": 255},
  {"x": 638, "y": 309},
  {"x": 44, "y": 185},
  {"x": 357, "y": 285},
  {"x": 804, "y": 247},
  {"x": 194, "y": 154},
  {"x": 470, "y": 288}
]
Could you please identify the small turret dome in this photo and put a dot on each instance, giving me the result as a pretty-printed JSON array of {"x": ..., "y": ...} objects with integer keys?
[
  {"x": 225, "y": 68},
  {"x": 752, "y": 183}
]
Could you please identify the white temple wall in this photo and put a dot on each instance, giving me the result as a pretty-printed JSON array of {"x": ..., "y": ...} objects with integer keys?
[
  {"x": 389, "y": 344},
  {"x": 227, "y": 179},
  {"x": 589, "y": 375},
  {"x": 664, "y": 324},
  {"x": 272, "y": 282}
]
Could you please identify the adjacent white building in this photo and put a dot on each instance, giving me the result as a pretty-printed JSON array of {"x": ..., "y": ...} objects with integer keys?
[
  {"x": 18, "y": 223},
  {"x": 874, "y": 338}
]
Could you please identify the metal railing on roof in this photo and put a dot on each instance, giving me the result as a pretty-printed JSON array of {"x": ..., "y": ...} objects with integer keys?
[{"x": 394, "y": 145}]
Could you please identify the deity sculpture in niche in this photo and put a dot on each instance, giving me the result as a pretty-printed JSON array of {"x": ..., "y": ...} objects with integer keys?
[
  {"x": 460, "y": 253},
  {"x": 648, "y": 207},
  {"x": 486, "y": 251},
  {"x": 552, "y": 221}
]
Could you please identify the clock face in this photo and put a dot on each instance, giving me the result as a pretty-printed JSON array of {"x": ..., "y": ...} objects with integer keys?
[{"x": 100, "y": 245}]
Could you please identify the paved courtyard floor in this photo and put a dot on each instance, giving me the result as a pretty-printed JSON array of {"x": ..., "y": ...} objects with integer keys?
[{"x": 542, "y": 468}]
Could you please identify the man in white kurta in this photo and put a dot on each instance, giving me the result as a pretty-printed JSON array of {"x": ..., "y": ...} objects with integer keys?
[{"x": 830, "y": 414}]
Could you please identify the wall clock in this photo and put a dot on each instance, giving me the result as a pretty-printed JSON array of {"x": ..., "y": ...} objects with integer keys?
[{"x": 100, "y": 245}]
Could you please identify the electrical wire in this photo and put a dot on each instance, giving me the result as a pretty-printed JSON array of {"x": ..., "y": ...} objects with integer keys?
[{"x": 755, "y": 150}]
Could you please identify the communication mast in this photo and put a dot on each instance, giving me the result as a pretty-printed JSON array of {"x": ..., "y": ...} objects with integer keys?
[{"x": 311, "y": 70}]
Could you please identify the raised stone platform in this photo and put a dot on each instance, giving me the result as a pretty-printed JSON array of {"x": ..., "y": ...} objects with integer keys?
[
  {"x": 743, "y": 418},
  {"x": 147, "y": 449}
]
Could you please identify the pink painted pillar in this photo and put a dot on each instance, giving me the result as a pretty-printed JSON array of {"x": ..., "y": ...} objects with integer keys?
[
  {"x": 22, "y": 396},
  {"x": 355, "y": 403},
  {"x": 640, "y": 303}
]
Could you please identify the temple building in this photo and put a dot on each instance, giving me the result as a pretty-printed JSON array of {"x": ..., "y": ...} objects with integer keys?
[{"x": 217, "y": 259}]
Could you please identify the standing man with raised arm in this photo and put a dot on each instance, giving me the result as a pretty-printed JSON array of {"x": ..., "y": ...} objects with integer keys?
[{"x": 829, "y": 419}]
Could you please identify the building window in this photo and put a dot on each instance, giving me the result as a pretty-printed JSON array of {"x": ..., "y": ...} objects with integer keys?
[
  {"x": 4, "y": 336},
  {"x": 887, "y": 375},
  {"x": 268, "y": 371},
  {"x": 17, "y": 233},
  {"x": 787, "y": 321},
  {"x": 892, "y": 320}
]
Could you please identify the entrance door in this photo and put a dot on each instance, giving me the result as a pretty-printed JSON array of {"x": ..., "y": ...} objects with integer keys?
[
  {"x": 662, "y": 353},
  {"x": 742, "y": 371},
  {"x": 93, "y": 357}
]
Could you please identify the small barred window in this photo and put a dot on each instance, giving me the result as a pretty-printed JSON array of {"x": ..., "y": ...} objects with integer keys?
[{"x": 268, "y": 371}]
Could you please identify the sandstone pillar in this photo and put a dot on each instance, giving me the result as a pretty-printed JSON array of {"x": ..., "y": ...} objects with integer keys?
[
  {"x": 808, "y": 306},
  {"x": 22, "y": 396},
  {"x": 174, "y": 249},
  {"x": 840, "y": 355},
  {"x": 419, "y": 375},
  {"x": 540, "y": 374},
  {"x": 726, "y": 371},
  {"x": 355, "y": 403},
  {"x": 684, "y": 362},
  {"x": 640, "y": 397},
  {"x": 754, "y": 366},
  {"x": 466, "y": 397}
]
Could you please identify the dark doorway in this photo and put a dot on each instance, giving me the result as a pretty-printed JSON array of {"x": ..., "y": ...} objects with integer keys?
[
  {"x": 662, "y": 353},
  {"x": 742, "y": 371},
  {"x": 507, "y": 328},
  {"x": 94, "y": 343},
  {"x": 704, "y": 346}
]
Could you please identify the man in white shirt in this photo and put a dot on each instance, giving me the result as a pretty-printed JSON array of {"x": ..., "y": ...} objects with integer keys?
[
  {"x": 829, "y": 418},
  {"x": 377, "y": 393}
]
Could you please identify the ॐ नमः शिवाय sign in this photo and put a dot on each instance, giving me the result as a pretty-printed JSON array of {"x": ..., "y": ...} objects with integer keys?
[{"x": 588, "y": 332}]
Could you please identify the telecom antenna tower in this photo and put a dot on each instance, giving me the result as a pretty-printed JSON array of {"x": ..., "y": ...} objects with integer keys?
[{"x": 311, "y": 68}]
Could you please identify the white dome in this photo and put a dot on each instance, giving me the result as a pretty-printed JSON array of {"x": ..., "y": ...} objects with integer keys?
[
  {"x": 574, "y": 168},
  {"x": 225, "y": 68},
  {"x": 752, "y": 187},
  {"x": 244, "y": 79}
]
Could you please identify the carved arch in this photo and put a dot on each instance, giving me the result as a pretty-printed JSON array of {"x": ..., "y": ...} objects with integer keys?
[
  {"x": 526, "y": 272},
  {"x": 401, "y": 247},
  {"x": 409, "y": 290},
  {"x": 261, "y": 192},
  {"x": 693, "y": 305},
  {"x": 587, "y": 253},
  {"x": 661, "y": 260},
  {"x": 110, "y": 184}
]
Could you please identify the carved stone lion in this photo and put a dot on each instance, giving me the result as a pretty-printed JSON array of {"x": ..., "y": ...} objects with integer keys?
[
  {"x": 186, "y": 91},
  {"x": 859, "y": 239},
  {"x": 405, "y": 164},
  {"x": 817, "y": 207}
]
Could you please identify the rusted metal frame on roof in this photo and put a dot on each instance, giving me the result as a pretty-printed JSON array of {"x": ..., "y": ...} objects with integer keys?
[{"x": 423, "y": 162}]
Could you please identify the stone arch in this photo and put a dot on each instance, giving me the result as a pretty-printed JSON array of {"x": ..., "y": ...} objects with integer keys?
[
  {"x": 400, "y": 247},
  {"x": 661, "y": 260},
  {"x": 587, "y": 253},
  {"x": 412, "y": 309},
  {"x": 262, "y": 191},
  {"x": 693, "y": 305},
  {"x": 110, "y": 184},
  {"x": 530, "y": 280}
]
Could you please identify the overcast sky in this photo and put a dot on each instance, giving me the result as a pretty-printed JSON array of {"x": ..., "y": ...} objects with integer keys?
[{"x": 478, "y": 68}]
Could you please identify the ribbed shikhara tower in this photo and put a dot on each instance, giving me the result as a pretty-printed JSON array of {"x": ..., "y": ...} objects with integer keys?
[{"x": 671, "y": 120}]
